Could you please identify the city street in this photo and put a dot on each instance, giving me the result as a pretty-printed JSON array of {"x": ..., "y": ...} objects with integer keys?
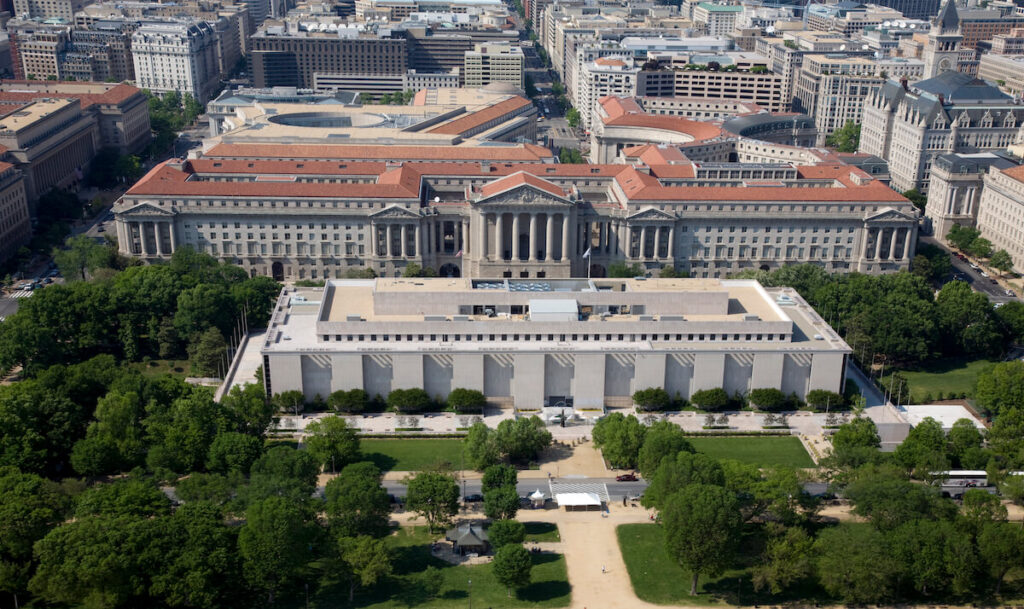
[{"x": 994, "y": 291}]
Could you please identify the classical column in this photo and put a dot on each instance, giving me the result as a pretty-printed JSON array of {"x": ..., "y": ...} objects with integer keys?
[
  {"x": 419, "y": 242},
  {"x": 482, "y": 241},
  {"x": 892, "y": 244},
  {"x": 515, "y": 236},
  {"x": 672, "y": 242},
  {"x": 906, "y": 246},
  {"x": 464, "y": 237},
  {"x": 533, "y": 237},
  {"x": 565, "y": 238},
  {"x": 403, "y": 231},
  {"x": 864, "y": 244},
  {"x": 643, "y": 242},
  {"x": 174, "y": 237},
  {"x": 499, "y": 249},
  {"x": 390, "y": 238},
  {"x": 438, "y": 236},
  {"x": 142, "y": 238},
  {"x": 549, "y": 237},
  {"x": 878, "y": 243},
  {"x": 657, "y": 242}
]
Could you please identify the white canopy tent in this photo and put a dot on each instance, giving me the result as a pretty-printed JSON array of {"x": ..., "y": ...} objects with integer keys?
[{"x": 578, "y": 501}]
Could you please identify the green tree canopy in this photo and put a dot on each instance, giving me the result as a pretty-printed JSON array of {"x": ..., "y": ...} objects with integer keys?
[
  {"x": 504, "y": 532},
  {"x": 332, "y": 442},
  {"x": 512, "y": 565},
  {"x": 501, "y": 503},
  {"x": 854, "y": 565},
  {"x": 274, "y": 544},
  {"x": 702, "y": 529},
  {"x": 619, "y": 438},
  {"x": 1001, "y": 387},
  {"x": 357, "y": 504},
  {"x": 846, "y": 138},
  {"x": 367, "y": 561},
  {"x": 662, "y": 440},
  {"x": 233, "y": 452},
  {"x": 434, "y": 496}
]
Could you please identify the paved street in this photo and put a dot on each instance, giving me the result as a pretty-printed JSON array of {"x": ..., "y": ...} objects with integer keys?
[{"x": 994, "y": 291}]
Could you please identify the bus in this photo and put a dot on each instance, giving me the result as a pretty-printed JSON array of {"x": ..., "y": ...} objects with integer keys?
[{"x": 956, "y": 482}]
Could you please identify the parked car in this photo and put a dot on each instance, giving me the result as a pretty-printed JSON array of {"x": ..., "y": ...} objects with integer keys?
[
  {"x": 993, "y": 280},
  {"x": 1010, "y": 293},
  {"x": 626, "y": 478},
  {"x": 983, "y": 273},
  {"x": 974, "y": 266},
  {"x": 473, "y": 498}
]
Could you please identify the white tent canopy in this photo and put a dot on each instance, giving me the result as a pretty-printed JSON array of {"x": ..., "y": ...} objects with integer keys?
[
  {"x": 537, "y": 495},
  {"x": 578, "y": 499}
]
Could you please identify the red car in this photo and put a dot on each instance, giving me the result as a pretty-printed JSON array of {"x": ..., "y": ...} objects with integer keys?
[{"x": 626, "y": 478}]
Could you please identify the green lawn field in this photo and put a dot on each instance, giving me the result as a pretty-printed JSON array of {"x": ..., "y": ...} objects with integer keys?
[
  {"x": 761, "y": 451},
  {"x": 419, "y": 580},
  {"x": 541, "y": 531},
  {"x": 411, "y": 454},
  {"x": 945, "y": 376}
]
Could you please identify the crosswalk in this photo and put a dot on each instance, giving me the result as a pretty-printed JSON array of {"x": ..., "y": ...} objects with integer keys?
[{"x": 21, "y": 294}]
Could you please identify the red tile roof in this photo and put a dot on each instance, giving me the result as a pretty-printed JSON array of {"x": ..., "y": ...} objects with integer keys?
[
  {"x": 699, "y": 131},
  {"x": 473, "y": 120},
  {"x": 523, "y": 153},
  {"x": 1017, "y": 173},
  {"x": 519, "y": 179},
  {"x": 115, "y": 95},
  {"x": 617, "y": 106}
]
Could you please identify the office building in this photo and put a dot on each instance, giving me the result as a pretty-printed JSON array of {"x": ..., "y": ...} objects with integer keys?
[
  {"x": 911, "y": 124},
  {"x": 600, "y": 78},
  {"x": 1001, "y": 212},
  {"x": 740, "y": 77},
  {"x": 494, "y": 62},
  {"x": 535, "y": 344},
  {"x": 955, "y": 188},
  {"x": 716, "y": 19},
  {"x": 15, "y": 226},
  {"x": 48, "y": 9},
  {"x": 177, "y": 56}
]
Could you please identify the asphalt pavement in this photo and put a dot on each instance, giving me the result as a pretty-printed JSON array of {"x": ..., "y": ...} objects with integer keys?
[
  {"x": 994, "y": 291},
  {"x": 474, "y": 487}
]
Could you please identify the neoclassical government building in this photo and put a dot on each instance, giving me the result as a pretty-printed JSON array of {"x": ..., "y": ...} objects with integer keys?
[{"x": 491, "y": 209}]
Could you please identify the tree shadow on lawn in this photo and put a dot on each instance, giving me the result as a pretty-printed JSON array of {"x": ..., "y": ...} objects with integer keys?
[
  {"x": 555, "y": 452},
  {"x": 540, "y": 528},
  {"x": 384, "y": 463}
]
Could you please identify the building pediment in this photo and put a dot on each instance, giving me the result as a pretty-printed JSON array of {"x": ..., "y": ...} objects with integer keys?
[
  {"x": 651, "y": 214},
  {"x": 889, "y": 215},
  {"x": 395, "y": 212},
  {"x": 523, "y": 195},
  {"x": 147, "y": 209}
]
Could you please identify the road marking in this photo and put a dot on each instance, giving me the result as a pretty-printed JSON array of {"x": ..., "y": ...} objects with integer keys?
[{"x": 21, "y": 294}]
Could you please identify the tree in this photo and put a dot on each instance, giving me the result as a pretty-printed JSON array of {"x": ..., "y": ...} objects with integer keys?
[
  {"x": 480, "y": 448},
  {"x": 352, "y": 401},
  {"x": 924, "y": 449},
  {"x": 274, "y": 544},
  {"x": 980, "y": 508},
  {"x": 293, "y": 401},
  {"x": 233, "y": 452},
  {"x": 662, "y": 440},
  {"x": 854, "y": 564},
  {"x": 248, "y": 409},
  {"x": 573, "y": 117},
  {"x": 702, "y": 529},
  {"x": 132, "y": 497},
  {"x": 522, "y": 440},
  {"x": 935, "y": 557},
  {"x": 1001, "y": 545},
  {"x": 621, "y": 269},
  {"x": 769, "y": 399},
  {"x": 1011, "y": 315},
  {"x": 786, "y": 560},
  {"x": 652, "y": 398},
  {"x": 512, "y": 565},
  {"x": 1001, "y": 387},
  {"x": 1001, "y": 261},
  {"x": 497, "y": 476},
  {"x": 285, "y": 472},
  {"x": 710, "y": 399},
  {"x": 207, "y": 354},
  {"x": 501, "y": 502},
  {"x": 504, "y": 532},
  {"x": 202, "y": 308},
  {"x": 331, "y": 441},
  {"x": 127, "y": 168},
  {"x": 408, "y": 400},
  {"x": 214, "y": 489},
  {"x": 676, "y": 473},
  {"x": 966, "y": 319},
  {"x": 980, "y": 247},
  {"x": 964, "y": 444},
  {"x": 466, "y": 400},
  {"x": 356, "y": 503},
  {"x": 889, "y": 501},
  {"x": 619, "y": 439},
  {"x": 30, "y": 506},
  {"x": 846, "y": 138},
  {"x": 434, "y": 496},
  {"x": 961, "y": 237},
  {"x": 81, "y": 255},
  {"x": 367, "y": 561},
  {"x": 823, "y": 399},
  {"x": 915, "y": 196}
]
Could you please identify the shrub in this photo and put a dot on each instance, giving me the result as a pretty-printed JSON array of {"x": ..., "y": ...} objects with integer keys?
[
  {"x": 466, "y": 400},
  {"x": 710, "y": 399},
  {"x": 769, "y": 399},
  {"x": 409, "y": 400},
  {"x": 652, "y": 398},
  {"x": 354, "y": 400},
  {"x": 821, "y": 399}
]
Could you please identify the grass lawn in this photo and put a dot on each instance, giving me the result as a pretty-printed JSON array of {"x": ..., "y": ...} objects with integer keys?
[
  {"x": 762, "y": 451},
  {"x": 420, "y": 580},
  {"x": 160, "y": 367},
  {"x": 541, "y": 531},
  {"x": 656, "y": 578},
  {"x": 411, "y": 454},
  {"x": 953, "y": 375}
]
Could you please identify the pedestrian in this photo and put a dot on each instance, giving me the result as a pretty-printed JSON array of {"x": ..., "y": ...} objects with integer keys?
[{"x": 602, "y": 568}]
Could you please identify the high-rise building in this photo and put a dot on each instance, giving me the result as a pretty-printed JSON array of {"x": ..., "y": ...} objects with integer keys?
[
  {"x": 494, "y": 62},
  {"x": 15, "y": 225},
  {"x": 48, "y": 9}
]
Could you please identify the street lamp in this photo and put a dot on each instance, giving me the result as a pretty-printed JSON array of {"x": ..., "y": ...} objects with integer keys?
[{"x": 469, "y": 592}]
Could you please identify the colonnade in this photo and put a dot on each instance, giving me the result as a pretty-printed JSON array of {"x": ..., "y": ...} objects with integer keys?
[
  {"x": 966, "y": 208},
  {"x": 885, "y": 240},
  {"x": 655, "y": 231},
  {"x": 143, "y": 234},
  {"x": 531, "y": 222}
]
